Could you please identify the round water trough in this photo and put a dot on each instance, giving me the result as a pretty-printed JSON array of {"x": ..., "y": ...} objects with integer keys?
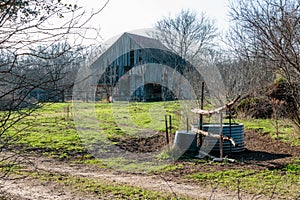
[
  {"x": 235, "y": 131},
  {"x": 186, "y": 141}
]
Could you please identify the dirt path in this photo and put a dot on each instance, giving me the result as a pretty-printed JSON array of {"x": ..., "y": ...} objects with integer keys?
[
  {"x": 33, "y": 189},
  {"x": 26, "y": 189}
]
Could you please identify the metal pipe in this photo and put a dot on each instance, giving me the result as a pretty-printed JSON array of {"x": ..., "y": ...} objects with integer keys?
[
  {"x": 221, "y": 135},
  {"x": 167, "y": 134},
  {"x": 230, "y": 123}
]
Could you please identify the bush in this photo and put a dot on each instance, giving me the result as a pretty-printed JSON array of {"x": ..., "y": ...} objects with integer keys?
[
  {"x": 255, "y": 107},
  {"x": 262, "y": 106}
]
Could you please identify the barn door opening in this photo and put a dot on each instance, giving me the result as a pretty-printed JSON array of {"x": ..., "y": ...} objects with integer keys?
[{"x": 152, "y": 92}]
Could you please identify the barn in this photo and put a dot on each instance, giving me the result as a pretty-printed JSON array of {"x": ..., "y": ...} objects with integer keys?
[{"x": 140, "y": 68}]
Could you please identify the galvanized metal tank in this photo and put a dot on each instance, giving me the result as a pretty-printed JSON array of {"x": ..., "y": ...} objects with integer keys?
[{"x": 236, "y": 131}]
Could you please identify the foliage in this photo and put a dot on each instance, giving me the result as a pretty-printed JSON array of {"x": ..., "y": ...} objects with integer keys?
[
  {"x": 273, "y": 101},
  {"x": 283, "y": 92},
  {"x": 256, "y": 107}
]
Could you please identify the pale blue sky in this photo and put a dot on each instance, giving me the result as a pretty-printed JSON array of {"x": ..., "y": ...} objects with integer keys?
[{"x": 126, "y": 15}]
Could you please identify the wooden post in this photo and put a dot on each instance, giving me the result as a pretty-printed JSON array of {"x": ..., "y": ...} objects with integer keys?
[
  {"x": 68, "y": 111},
  {"x": 221, "y": 135},
  {"x": 230, "y": 123},
  {"x": 170, "y": 124},
  {"x": 86, "y": 97},
  {"x": 202, "y": 105},
  {"x": 187, "y": 124},
  {"x": 200, "y": 138}
]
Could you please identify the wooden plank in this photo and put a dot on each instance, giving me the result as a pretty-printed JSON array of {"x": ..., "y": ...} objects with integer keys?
[{"x": 217, "y": 110}]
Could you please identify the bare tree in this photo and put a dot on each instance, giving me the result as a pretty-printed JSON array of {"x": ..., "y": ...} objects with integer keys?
[
  {"x": 190, "y": 35},
  {"x": 187, "y": 34},
  {"x": 37, "y": 43},
  {"x": 268, "y": 31},
  {"x": 243, "y": 76}
]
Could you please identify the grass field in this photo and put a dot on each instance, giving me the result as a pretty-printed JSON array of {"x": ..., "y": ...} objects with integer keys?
[
  {"x": 287, "y": 131},
  {"x": 51, "y": 131}
]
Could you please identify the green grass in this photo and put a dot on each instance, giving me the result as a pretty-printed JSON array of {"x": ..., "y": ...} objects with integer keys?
[
  {"x": 123, "y": 119},
  {"x": 287, "y": 131},
  {"x": 52, "y": 131},
  {"x": 293, "y": 167},
  {"x": 276, "y": 182},
  {"x": 49, "y": 130},
  {"x": 7, "y": 167}
]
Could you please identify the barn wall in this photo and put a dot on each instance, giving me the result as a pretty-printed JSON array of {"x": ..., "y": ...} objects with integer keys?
[{"x": 127, "y": 68}]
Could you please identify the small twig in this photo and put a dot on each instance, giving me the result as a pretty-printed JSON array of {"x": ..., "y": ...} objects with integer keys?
[
  {"x": 213, "y": 189},
  {"x": 273, "y": 190},
  {"x": 175, "y": 195},
  {"x": 212, "y": 193},
  {"x": 239, "y": 189}
]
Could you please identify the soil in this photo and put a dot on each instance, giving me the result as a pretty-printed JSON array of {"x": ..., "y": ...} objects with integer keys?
[
  {"x": 153, "y": 143},
  {"x": 262, "y": 152}
]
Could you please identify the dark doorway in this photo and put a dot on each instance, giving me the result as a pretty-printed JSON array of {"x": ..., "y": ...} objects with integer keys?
[{"x": 152, "y": 92}]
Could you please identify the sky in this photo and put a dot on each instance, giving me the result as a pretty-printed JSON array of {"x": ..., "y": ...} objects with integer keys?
[{"x": 127, "y": 15}]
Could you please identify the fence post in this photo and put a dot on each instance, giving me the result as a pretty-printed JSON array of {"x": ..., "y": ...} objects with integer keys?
[{"x": 167, "y": 134}]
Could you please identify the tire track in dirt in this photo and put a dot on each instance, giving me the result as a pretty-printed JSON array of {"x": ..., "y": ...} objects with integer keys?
[{"x": 31, "y": 190}]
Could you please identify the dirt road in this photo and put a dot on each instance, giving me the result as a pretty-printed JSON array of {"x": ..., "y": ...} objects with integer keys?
[{"x": 30, "y": 188}]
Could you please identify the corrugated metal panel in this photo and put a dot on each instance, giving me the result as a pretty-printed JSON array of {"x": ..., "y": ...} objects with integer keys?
[
  {"x": 146, "y": 42},
  {"x": 153, "y": 73},
  {"x": 236, "y": 132},
  {"x": 136, "y": 54}
]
